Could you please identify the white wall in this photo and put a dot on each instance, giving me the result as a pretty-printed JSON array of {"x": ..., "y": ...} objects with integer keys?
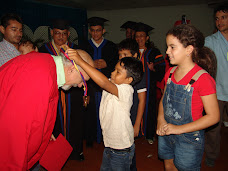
[{"x": 161, "y": 18}]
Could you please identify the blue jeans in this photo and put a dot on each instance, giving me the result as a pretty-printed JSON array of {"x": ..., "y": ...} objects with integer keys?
[
  {"x": 184, "y": 149},
  {"x": 117, "y": 160}
]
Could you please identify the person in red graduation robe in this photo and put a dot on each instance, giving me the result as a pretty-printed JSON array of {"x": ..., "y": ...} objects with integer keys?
[{"x": 28, "y": 104}]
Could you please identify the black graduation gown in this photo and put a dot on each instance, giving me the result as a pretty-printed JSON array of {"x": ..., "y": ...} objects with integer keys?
[
  {"x": 74, "y": 111},
  {"x": 150, "y": 115}
]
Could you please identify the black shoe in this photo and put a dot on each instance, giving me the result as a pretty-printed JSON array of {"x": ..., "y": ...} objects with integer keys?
[
  {"x": 209, "y": 162},
  {"x": 76, "y": 156},
  {"x": 81, "y": 157}
]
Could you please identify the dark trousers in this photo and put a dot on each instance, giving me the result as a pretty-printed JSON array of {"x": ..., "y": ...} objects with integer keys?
[{"x": 212, "y": 135}]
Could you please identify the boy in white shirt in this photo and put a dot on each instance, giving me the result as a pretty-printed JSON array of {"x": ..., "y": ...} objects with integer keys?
[{"x": 116, "y": 102}]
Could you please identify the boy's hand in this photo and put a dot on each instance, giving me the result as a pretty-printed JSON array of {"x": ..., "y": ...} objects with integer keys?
[
  {"x": 136, "y": 130},
  {"x": 73, "y": 55}
]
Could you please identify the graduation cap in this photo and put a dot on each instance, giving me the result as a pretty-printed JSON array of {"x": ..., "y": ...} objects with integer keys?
[
  {"x": 96, "y": 21},
  {"x": 143, "y": 27},
  {"x": 129, "y": 24},
  {"x": 60, "y": 24}
]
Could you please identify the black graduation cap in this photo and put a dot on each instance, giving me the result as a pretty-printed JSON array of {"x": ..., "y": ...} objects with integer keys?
[
  {"x": 129, "y": 24},
  {"x": 143, "y": 27},
  {"x": 60, "y": 24},
  {"x": 96, "y": 21}
]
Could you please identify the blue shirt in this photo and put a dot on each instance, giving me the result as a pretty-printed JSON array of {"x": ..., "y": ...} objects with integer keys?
[
  {"x": 219, "y": 45},
  {"x": 7, "y": 52}
]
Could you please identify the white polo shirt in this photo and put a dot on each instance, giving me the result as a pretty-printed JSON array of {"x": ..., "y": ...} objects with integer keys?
[{"x": 117, "y": 129}]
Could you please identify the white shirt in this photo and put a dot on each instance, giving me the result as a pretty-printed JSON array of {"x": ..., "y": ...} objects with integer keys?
[{"x": 117, "y": 129}]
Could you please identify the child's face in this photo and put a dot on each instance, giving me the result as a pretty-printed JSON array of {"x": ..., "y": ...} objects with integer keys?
[
  {"x": 25, "y": 48},
  {"x": 126, "y": 53},
  {"x": 119, "y": 75},
  {"x": 176, "y": 51}
]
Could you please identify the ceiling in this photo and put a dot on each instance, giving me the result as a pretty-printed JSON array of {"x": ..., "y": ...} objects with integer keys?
[{"x": 100, "y": 5}]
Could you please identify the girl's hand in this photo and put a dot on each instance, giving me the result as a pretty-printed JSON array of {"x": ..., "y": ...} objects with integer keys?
[
  {"x": 172, "y": 129},
  {"x": 160, "y": 128}
]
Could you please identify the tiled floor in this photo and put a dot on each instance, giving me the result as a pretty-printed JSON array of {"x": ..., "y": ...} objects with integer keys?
[{"x": 146, "y": 157}]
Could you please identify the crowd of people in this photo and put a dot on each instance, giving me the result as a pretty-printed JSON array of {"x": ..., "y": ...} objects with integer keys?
[{"x": 113, "y": 93}]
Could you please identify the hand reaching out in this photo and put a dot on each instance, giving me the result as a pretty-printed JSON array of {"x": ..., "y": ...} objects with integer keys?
[{"x": 73, "y": 55}]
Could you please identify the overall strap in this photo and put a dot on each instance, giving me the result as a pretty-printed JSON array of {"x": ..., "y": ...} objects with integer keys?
[
  {"x": 194, "y": 79},
  {"x": 170, "y": 74}
]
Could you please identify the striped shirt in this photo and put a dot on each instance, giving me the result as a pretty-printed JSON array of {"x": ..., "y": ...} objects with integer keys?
[{"x": 7, "y": 51}]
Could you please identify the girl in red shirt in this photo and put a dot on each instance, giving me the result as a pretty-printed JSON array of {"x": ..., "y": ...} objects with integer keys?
[{"x": 189, "y": 88}]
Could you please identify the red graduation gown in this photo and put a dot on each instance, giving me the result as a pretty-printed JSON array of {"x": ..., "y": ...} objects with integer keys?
[{"x": 28, "y": 104}]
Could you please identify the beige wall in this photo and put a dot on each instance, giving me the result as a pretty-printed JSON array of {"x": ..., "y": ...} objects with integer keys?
[{"x": 161, "y": 18}]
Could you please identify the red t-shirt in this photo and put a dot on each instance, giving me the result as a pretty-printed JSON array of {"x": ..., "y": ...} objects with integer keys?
[{"x": 204, "y": 86}]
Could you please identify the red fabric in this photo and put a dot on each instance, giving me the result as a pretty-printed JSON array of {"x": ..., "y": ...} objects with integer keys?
[
  {"x": 28, "y": 106},
  {"x": 179, "y": 22},
  {"x": 205, "y": 85},
  {"x": 56, "y": 154}
]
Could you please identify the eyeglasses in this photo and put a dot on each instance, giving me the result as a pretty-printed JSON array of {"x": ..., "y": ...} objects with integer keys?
[{"x": 64, "y": 34}]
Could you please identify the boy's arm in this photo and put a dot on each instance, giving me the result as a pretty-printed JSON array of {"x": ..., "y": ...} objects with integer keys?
[
  {"x": 99, "y": 78},
  {"x": 140, "y": 111}
]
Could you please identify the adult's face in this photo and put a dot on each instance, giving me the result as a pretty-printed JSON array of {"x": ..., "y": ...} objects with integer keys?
[
  {"x": 129, "y": 33},
  {"x": 221, "y": 21},
  {"x": 96, "y": 32},
  {"x": 13, "y": 32},
  {"x": 60, "y": 37},
  {"x": 73, "y": 77},
  {"x": 141, "y": 38}
]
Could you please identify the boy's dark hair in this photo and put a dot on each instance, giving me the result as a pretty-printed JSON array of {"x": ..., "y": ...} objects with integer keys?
[
  {"x": 222, "y": 7},
  {"x": 134, "y": 68},
  {"x": 129, "y": 44},
  {"x": 10, "y": 16},
  {"x": 27, "y": 41}
]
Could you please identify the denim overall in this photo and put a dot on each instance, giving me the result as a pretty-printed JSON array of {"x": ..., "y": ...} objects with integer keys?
[{"x": 186, "y": 149}]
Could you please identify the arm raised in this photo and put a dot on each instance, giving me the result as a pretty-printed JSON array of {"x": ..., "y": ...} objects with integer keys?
[{"x": 99, "y": 78}]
